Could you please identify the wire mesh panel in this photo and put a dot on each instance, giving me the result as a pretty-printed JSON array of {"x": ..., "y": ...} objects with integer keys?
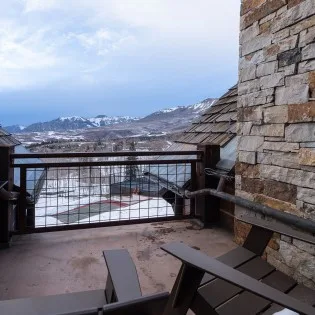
[{"x": 89, "y": 192}]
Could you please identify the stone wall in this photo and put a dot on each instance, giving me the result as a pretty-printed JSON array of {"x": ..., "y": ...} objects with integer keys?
[{"x": 276, "y": 115}]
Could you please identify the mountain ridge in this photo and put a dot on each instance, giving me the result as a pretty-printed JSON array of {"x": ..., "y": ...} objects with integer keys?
[{"x": 165, "y": 117}]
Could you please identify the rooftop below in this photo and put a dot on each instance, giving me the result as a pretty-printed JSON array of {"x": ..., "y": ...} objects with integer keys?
[{"x": 72, "y": 261}]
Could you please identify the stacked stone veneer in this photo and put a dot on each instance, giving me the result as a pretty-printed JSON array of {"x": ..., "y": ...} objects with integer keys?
[{"x": 276, "y": 120}]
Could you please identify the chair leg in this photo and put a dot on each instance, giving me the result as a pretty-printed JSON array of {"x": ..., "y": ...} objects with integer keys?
[
  {"x": 257, "y": 240},
  {"x": 184, "y": 290}
]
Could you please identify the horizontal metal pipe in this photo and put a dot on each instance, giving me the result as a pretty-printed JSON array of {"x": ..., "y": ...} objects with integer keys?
[
  {"x": 103, "y": 154},
  {"x": 103, "y": 163},
  {"x": 287, "y": 218}
]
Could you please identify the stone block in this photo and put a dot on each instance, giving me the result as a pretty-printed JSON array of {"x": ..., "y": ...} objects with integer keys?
[
  {"x": 271, "y": 52},
  {"x": 286, "y": 159},
  {"x": 281, "y": 11},
  {"x": 287, "y": 239},
  {"x": 301, "y": 112},
  {"x": 262, "y": 11},
  {"x": 305, "y": 247},
  {"x": 252, "y": 185},
  {"x": 307, "y": 144},
  {"x": 303, "y": 25},
  {"x": 299, "y": 79},
  {"x": 308, "y": 52},
  {"x": 247, "y": 74},
  {"x": 271, "y": 81},
  {"x": 268, "y": 68},
  {"x": 276, "y": 204},
  {"x": 281, "y": 146},
  {"x": 307, "y": 157},
  {"x": 252, "y": 99},
  {"x": 307, "y": 66},
  {"x": 307, "y": 36},
  {"x": 252, "y": 59},
  {"x": 281, "y": 191},
  {"x": 300, "y": 132},
  {"x": 264, "y": 158},
  {"x": 253, "y": 114},
  {"x": 297, "y": 94},
  {"x": 276, "y": 114},
  {"x": 265, "y": 27},
  {"x": 255, "y": 44},
  {"x": 306, "y": 195},
  {"x": 250, "y": 143},
  {"x": 248, "y": 87},
  {"x": 249, "y": 33},
  {"x": 311, "y": 80},
  {"x": 274, "y": 243},
  {"x": 274, "y": 139},
  {"x": 241, "y": 229},
  {"x": 301, "y": 263},
  {"x": 293, "y": 3},
  {"x": 248, "y": 5},
  {"x": 287, "y": 175},
  {"x": 280, "y": 36},
  {"x": 294, "y": 15},
  {"x": 244, "y": 128},
  {"x": 309, "y": 210},
  {"x": 289, "y": 57},
  {"x": 270, "y": 130},
  {"x": 268, "y": 18},
  {"x": 289, "y": 70},
  {"x": 247, "y": 157},
  {"x": 283, "y": 159},
  {"x": 242, "y": 194},
  {"x": 247, "y": 170}
]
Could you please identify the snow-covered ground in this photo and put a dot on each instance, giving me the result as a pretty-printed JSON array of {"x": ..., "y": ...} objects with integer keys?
[
  {"x": 72, "y": 197},
  {"x": 150, "y": 208}
]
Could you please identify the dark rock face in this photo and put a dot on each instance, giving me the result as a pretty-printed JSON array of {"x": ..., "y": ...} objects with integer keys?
[{"x": 289, "y": 57}]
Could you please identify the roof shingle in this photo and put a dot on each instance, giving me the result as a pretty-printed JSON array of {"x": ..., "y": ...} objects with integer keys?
[{"x": 217, "y": 125}]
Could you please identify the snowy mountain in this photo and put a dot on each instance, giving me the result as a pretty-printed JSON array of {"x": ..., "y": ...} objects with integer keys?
[
  {"x": 73, "y": 123},
  {"x": 15, "y": 128},
  {"x": 175, "y": 118},
  {"x": 60, "y": 124},
  {"x": 103, "y": 120},
  {"x": 183, "y": 112}
]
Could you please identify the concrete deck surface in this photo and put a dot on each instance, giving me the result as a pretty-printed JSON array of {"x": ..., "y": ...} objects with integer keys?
[{"x": 71, "y": 261}]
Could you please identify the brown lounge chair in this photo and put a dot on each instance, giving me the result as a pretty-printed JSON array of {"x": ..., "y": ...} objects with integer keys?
[{"x": 237, "y": 283}]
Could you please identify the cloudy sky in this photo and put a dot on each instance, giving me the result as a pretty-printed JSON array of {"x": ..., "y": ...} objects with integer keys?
[{"x": 113, "y": 57}]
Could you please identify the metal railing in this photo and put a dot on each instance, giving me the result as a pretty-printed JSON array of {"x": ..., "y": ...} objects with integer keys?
[{"x": 81, "y": 190}]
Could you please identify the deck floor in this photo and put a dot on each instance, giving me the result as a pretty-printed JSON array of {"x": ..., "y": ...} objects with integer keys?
[{"x": 71, "y": 261}]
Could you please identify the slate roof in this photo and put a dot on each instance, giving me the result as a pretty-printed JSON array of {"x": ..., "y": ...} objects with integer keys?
[
  {"x": 6, "y": 139},
  {"x": 217, "y": 125}
]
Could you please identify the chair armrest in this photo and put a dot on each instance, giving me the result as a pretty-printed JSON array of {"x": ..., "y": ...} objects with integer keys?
[
  {"x": 278, "y": 228},
  {"x": 149, "y": 305},
  {"x": 122, "y": 282},
  {"x": 212, "y": 266}
]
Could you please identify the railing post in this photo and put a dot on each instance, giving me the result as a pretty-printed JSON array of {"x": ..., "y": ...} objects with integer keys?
[
  {"x": 7, "y": 218},
  {"x": 193, "y": 187},
  {"x": 22, "y": 201},
  {"x": 207, "y": 207}
]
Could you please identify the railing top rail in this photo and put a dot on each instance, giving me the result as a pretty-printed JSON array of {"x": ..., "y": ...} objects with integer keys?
[
  {"x": 103, "y": 163},
  {"x": 103, "y": 154}
]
